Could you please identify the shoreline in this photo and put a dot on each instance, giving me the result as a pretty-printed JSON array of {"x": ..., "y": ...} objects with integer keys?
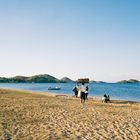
[
  {"x": 67, "y": 95},
  {"x": 126, "y": 93}
]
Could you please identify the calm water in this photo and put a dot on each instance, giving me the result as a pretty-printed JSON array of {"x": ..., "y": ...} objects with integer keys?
[{"x": 116, "y": 91}]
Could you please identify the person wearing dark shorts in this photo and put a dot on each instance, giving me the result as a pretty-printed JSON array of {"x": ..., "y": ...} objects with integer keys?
[
  {"x": 75, "y": 90},
  {"x": 83, "y": 95},
  {"x": 86, "y": 93}
]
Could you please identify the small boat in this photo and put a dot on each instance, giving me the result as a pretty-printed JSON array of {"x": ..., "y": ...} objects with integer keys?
[{"x": 54, "y": 88}]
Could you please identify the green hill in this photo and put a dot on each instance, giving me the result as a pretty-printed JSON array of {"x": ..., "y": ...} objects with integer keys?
[
  {"x": 18, "y": 79},
  {"x": 4, "y": 80},
  {"x": 92, "y": 81},
  {"x": 128, "y": 81},
  {"x": 43, "y": 78},
  {"x": 66, "y": 80}
]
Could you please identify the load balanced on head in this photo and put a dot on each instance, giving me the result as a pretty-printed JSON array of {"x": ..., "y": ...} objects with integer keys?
[{"x": 81, "y": 90}]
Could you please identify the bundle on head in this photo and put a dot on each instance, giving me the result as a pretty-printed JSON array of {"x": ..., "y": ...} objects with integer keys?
[{"x": 83, "y": 80}]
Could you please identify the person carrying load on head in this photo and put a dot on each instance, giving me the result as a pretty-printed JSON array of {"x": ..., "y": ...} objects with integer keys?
[{"x": 83, "y": 92}]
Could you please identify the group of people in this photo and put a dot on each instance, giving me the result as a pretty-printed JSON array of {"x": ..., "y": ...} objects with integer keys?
[{"x": 81, "y": 91}]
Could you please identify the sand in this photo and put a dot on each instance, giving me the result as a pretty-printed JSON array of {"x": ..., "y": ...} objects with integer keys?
[{"x": 29, "y": 116}]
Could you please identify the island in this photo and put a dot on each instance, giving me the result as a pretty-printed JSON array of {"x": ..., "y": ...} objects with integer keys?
[{"x": 128, "y": 81}]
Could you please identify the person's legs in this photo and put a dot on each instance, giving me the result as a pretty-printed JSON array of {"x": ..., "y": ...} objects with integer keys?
[
  {"x": 82, "y": 97},
  {"x": 105, "y": 100},
  {"x": 76, "y": 94},
  {"x": 86, "y": 94}
]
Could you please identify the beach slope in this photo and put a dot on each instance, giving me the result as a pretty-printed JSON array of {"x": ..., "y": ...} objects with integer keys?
[{"x": 29, "y": 116}]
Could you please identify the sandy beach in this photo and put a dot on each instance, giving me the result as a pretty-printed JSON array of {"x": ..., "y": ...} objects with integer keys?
[{"x": 26, "y": 115}]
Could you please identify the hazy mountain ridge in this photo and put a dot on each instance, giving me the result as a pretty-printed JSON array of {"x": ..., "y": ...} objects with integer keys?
[
  {"x": 66, "y": 80},
  {"x": 92, "y": 81},
  {"x": 46, "y": 78},
  {"x": 129, "y": 81},
  {"x": 42, "y": 78}
]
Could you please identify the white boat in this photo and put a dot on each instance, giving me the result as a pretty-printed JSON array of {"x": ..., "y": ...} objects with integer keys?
[{"x": 54, "y": 88}]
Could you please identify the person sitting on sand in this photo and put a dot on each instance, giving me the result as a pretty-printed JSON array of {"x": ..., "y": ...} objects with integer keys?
[{"x": 106, "y": 98}]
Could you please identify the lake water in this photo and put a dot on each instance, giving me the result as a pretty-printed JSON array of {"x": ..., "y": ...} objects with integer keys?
[{"x": 116, "y": 91}]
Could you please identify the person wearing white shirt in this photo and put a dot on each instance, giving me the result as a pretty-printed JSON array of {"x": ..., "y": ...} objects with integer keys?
[{"x": 83, "y": 90}]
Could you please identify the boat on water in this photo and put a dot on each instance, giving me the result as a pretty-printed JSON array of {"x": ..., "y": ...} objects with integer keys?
[{"x": 54, "y": 88}]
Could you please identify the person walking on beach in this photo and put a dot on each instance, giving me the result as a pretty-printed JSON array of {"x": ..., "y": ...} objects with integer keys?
[
  {"x": 86, "y": 93},
  {"x": 75, "y": 90},
  {"x": 83, "y": 95}
]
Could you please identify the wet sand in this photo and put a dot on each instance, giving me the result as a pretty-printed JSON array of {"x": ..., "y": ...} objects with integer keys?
[{"x": 27, "y": 115}]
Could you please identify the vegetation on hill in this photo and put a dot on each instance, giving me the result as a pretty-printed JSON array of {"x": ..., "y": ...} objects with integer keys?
[
  {"x": 97, "y": 81},
  {"x": 128, "y": 81},
  {"x": 42, "y": 78},
  {"x": 18, "y": 79},
  {"x": 4, "y": 80},
  {"x": 46, "y": 78},
  {"x": 66, "y": 80}
]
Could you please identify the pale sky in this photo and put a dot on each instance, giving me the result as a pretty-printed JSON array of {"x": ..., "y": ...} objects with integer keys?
[{"x": 99, "y": 39}]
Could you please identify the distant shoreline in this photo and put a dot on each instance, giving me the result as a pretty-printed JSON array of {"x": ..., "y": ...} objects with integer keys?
[{"x": 65, "y": 95}]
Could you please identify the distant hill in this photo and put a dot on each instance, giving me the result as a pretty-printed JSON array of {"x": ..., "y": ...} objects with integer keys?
[
  {"x": 42, "y": 78},
  {"x": 4, "y": 80},
  {"x": 92, "y": 81},
  {"x": 18, "y": 79},
  {"x": 128, "y": 81},
  {"x": 66, "y": 80},
  {"x": 46, "y": 78}
]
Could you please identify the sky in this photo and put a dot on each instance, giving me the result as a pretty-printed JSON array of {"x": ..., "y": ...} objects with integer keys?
[{"x": 98, "y": 39}]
